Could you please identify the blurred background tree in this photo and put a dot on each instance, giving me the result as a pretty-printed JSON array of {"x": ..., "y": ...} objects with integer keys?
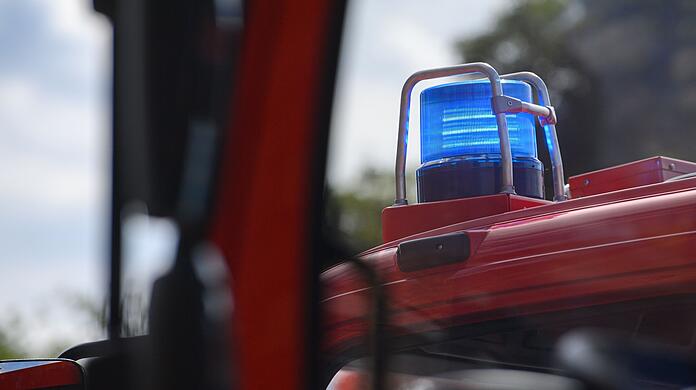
[
  {"x": 353, "y": 216},
  {"x": 9, "y": 349}
]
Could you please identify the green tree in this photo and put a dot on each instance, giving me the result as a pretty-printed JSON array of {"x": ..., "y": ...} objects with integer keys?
[
  {"x": 354, "y": 216},
  {"x": 10, "y": 347},
  {"x": 8, "y": 350}
]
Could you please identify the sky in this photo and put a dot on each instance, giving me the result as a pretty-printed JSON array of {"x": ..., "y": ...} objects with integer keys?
[
  {"x": 55, "y": 76},
  {"x": 54, "y": 116}
]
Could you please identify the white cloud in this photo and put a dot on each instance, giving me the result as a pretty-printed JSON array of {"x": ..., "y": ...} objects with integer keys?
[
  {"x": 72, "y": 18},
  {"x": 52, "y": 150},
  {"x": 77, "y": 22},
  {"x": 414, "y": 45},
  {"x": 364, "y": 131}
]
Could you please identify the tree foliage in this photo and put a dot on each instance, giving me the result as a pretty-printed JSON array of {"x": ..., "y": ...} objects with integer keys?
[
  {"x": 354, "y": 216},
  {"x": 10, "y": 347},
  {"x": 8, "y": 350}
]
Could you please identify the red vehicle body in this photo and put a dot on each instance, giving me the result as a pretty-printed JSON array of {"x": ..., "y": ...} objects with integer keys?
[
  {"x": 530, "y": 258},
  {"x": 27, "y": 374}
]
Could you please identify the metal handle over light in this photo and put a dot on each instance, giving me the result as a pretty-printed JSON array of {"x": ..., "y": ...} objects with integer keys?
[
  {"x": 549, "y": 130},
  {"x": 402, "y": 141}
]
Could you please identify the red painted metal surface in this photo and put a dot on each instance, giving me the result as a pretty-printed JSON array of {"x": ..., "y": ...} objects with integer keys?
[
  {"x": 635, "y": 174},
  {"x": 45, "y": 374},
  {"x": 403, "y": 221},
  {"x": 622, "y": 246},
  {"x": 265, "y": 197}
]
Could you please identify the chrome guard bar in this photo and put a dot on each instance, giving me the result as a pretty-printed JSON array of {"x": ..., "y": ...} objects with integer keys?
[
  {"x": 500, "y": 104},
  {"x": 549, "y": 131}
]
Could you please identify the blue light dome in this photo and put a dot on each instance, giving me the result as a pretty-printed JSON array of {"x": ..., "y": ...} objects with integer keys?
[
  {"x": 460, "y": 147},
  {"x": 457, "y": 121}
]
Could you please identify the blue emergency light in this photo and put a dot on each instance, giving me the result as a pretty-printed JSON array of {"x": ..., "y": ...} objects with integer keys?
[{"x": 460, "y": 146}]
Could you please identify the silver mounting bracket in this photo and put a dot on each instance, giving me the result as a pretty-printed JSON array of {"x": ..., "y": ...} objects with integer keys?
[
  {"x": 544, "y": 98},
  {"x": 509, "y": 105}
]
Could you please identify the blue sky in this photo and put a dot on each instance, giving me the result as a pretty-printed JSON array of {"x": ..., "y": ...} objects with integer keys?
[
  {"x": 54, "y": 143},
  {"x": 54, "y": 115}
]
